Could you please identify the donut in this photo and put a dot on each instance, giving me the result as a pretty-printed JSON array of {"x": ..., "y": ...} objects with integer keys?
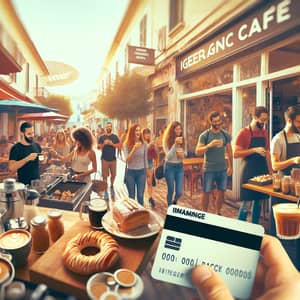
[{"x": 79, "y": 263}]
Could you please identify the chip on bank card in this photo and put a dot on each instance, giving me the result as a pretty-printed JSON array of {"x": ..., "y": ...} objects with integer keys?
[{"x": 191, "y": 237}]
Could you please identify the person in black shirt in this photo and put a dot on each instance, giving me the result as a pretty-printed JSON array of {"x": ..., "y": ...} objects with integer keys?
[
  {"x": 23, "y": 156},
  {"x": 108, "y": 143}
]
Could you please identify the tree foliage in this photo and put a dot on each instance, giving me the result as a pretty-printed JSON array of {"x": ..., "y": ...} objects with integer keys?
[
  {"x": 128, "y": 98},
  {"x": 60, "y": 102}
]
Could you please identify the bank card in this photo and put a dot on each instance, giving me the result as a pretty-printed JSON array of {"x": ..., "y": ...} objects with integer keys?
[{"x": 191, "y": 237}]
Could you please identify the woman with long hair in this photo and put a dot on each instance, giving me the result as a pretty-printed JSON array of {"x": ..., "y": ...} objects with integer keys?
[
  {"x": 82, "y": 155},
  {"x": 135, "y": 151},
  {"x": 173, "y": 144},
  {"x": 151, "y": 155},
  {"x": 60, "y": 145}
]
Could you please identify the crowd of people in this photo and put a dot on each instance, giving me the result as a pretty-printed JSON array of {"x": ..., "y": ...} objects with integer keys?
[{"x": 142, "y": 153}]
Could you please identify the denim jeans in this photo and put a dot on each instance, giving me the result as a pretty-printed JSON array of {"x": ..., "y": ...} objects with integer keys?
[
  {"x": 256, "y": 209},
  {"x": 174, "y": 176},
  {"x": 136, "y": 179}
]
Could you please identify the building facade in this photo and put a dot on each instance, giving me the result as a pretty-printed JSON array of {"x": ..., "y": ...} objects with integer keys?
[
  {"x": 21, "y": 66},
  {"x": 227, "y": 56}
]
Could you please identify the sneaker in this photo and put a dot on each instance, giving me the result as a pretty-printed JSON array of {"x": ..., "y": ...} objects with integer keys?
[
  {"x": 112, "y": 191},
  {"x": 105, "y": 197},
  {"x": 151, "y": 202}
]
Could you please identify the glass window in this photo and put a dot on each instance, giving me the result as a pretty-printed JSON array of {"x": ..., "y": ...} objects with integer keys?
[
  {"x": 176, "y": 13},
  {"x": 250, "y": 68},
  {"x": 248, "y": 104},
  {"x": 197, "y": 113},
  {"x": 284, "y": 57},
  {"x": 161, "y": 97},
  {"x": 215, "y": 77},
  {"x": 143, "y": 32}
]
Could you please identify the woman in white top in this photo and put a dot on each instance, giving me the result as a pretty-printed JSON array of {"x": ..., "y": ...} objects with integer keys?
[{"x": 82, "y": 155}]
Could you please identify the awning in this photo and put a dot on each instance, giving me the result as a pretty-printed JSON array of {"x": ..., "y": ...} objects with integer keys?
[
  {"x": 8, "y": 63},
  {"x": 43, "y": 116},
  {"x": 8, "y": 92},
  {"x": 22, "y": 107}
]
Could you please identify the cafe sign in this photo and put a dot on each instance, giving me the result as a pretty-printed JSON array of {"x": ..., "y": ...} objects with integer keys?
[
  {"x": 59, "y": 74},
  {"x": 140, "y": 55},
  {"x": 264, "y": 23}
]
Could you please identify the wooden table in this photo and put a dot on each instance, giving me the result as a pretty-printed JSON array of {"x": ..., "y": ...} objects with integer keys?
[
  {"x": 49, "y": 269},
  {"x": 192, "y": 170},
  {"x": 268, "y": 189},
  {"x": 190, "y": 161}
]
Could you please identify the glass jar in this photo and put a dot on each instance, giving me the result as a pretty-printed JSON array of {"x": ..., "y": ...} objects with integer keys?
[
  {"x": 55, "y": 224},
  {"x": 285, "y": 184},
  {"x": 40, "y": 235},
  {"x": 292, "y": 187}
]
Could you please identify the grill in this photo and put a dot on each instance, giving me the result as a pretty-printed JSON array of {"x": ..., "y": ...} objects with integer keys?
[{"x": 72, "y": 193}]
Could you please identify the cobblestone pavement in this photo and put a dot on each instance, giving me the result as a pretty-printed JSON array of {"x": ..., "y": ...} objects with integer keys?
[{"x": 155, "y": 289}]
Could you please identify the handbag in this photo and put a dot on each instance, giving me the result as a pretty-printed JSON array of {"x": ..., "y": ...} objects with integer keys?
[
  {"x": 160, "y": 171},
  {"x": 125, "y": 174},
  {"x": 98, "y": 184},
  {"x": 153, "y": 180}
]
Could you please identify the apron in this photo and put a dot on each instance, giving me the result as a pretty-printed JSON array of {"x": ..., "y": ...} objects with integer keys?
[
  {"x": 292, "y": 150},
  {"x": 253, "y": 165}
]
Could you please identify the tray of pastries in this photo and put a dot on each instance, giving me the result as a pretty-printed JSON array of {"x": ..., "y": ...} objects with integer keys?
[{"x": 264, "y": 179}]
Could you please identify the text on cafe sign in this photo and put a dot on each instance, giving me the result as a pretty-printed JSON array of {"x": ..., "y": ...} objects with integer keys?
[
  {"x": 265, "y": 23},
  {"x": 140, "y": 55}
]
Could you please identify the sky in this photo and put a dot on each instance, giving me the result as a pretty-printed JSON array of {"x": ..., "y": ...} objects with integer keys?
[{"x": 75, "y": 32}]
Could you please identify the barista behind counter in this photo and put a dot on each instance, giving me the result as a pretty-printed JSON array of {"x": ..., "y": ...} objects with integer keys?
[
  {"x": 285, "y": 155},
  {"x": 23, "y": 156}
]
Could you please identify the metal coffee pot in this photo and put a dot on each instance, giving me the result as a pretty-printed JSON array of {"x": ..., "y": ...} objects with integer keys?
[{"x": 13, "y": 196}]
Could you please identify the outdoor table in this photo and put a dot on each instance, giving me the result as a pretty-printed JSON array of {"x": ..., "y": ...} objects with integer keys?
[
  {"x": 192, "y": 170},
  {"x": 49, "y": 269}
]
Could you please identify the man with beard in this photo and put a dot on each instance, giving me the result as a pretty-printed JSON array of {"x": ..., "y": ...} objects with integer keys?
[
  {"x": 23, "y": 156},
  {"x": 108, "y": 143},
  {"x": 252, "y": 146},
  {"x": 214, "y": 143},
  {"x": 285, "y": 155}
]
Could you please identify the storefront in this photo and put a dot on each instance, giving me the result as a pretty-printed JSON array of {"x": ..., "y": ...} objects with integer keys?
[
  {"x": 161, "y": 93},
  {"x": 253, "y": 60}
]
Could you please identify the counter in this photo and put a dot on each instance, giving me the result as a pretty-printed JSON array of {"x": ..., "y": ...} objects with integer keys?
[
  {"x": 268, "y": 189},
  {"x": 49, "y": 269}
]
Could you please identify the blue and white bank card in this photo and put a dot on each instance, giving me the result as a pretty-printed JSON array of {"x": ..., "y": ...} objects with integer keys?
[{"x": 191, "y": 237}]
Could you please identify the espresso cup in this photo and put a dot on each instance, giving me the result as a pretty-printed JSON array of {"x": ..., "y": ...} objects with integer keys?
[
  {"x": 16, "y": 242},
  {"x": 287, "y": 220},
  {"x": 7, "y": 274},
  {"x": 97, "y": 208}
]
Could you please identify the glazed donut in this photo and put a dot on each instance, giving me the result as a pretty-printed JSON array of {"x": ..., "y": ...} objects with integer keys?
[{"x": 82, "y": 264}]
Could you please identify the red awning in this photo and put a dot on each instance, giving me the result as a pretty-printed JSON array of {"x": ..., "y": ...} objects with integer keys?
[{"x": 43, "y": 116}]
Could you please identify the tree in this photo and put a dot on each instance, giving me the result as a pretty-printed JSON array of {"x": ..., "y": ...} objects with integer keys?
[
  {"x": 60, "y": 102},
  {"x": 128, "y": 98}
]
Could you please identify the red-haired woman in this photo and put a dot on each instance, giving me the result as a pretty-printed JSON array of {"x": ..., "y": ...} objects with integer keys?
[
  {"x": 173, "y": 144},
  {"x": 152, "y": 156},
  {"x": 135, "y": 151}
]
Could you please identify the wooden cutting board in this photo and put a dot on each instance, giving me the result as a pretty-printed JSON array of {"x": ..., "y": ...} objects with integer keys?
[{"x": 50, "y": 270}]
